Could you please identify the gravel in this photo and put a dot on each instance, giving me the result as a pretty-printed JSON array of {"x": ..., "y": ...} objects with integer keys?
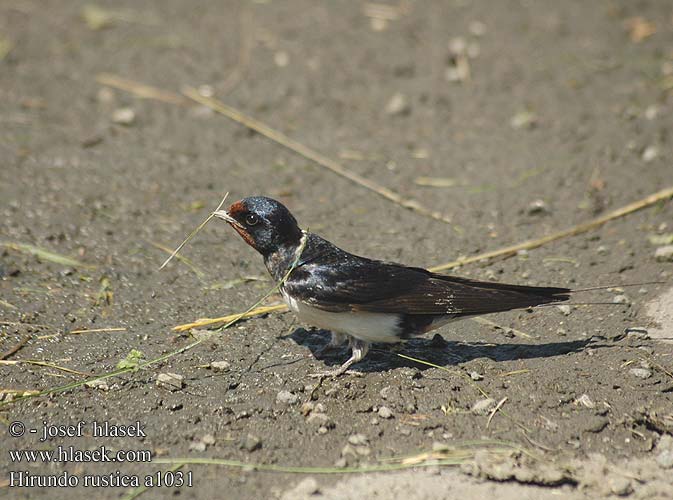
[
  {"x": 170, "y": 381},
  {"x": 384, "y": 412},
  {"x": 664, "y": 254},
  {"x": 220, "y": 366},
  {"x": 642, "y": 373},
  {"x": 286, "y": 397}
]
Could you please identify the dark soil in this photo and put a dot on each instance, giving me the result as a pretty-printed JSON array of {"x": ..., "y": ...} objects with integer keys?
[{"x": 562, "y": 105}]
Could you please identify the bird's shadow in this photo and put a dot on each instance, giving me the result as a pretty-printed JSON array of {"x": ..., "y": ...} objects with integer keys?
[{"x": 435, "y": 350}]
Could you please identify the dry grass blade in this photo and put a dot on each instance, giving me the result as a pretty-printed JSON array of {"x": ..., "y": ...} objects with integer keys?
[
  {"x": 515, "y": 372},
  {"x": 46, "y": 364},
  {"x": 258, "y": 311},
  {"x": 187, "y": 262},
  {"x": 311, "y": 154},
  {"x": 140, "y": 89},
  {"x": 43, "y": 254},
  {"x": 193, "y": 233},
  {"x": 96, "y": 330},
  {"x": 16, "y": 392},
  {"x": 495, "y": 410},
  {"x": 580, "y": 228}
]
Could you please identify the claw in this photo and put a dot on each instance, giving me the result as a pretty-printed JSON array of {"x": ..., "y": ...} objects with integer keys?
[{"x": 360, "y": 348}]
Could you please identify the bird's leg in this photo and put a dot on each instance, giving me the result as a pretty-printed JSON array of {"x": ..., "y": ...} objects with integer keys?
[
  {"x": 359, "y": 348},
  {"x": 336, "y": 340}
]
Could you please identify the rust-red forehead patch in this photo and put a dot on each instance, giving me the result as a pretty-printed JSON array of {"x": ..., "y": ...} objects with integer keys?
[{"x": 236, "y": 208}]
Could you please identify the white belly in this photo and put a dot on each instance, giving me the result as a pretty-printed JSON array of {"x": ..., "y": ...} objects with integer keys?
[{"x": 370, "y": 327}]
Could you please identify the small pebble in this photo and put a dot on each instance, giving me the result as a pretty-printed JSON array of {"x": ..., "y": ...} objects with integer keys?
[
  {"x": 523, "y": 120},
  {"x": 358, "y": 439},
  {"x": 537, "y": 207},
  {"x": 170, "y": 381},
  {"x": 286, "y": 397},
  {"x": 208, "y": 439},
  {"x": 378, "y": 24},
  {"x": 620, "y": 299},
  {"x": 637, "y": 332},
  {"x": 250, "y": 443},
  {"x": 457, "y": 46},
  {"x": 206, "y": 90},
  {"x": 642, "y": 373},
  {"x": 565, "y": 309},
  {"x": 306, "y": 487},
  {"x": 620, "y": 486},
  {"x": 197, "y": 446},
  {"x": 651, "y": 112},
  {"x": 483, "y": 406},
  {"x": 602, "y": 250},
  {"x": 438, "y": 446},
  {"x": 476, "y": 376},
  {"x": 595, "y": 424},
  {"x": 664, "y": 254},
  {"x": 650, "y": 153},
  {"x": 363, "y": 451},
  {"x": 319, "y": 420},
  {"x": 398, "y": 105},
  {"x": 99, "y": 384},
  {"x": 307, "y": 408},
  {"x": 384, "y": 412},
  {"x": 458, "y": 73},
  {"x": 585, "y": 401},
  {"x": 124, "y": 116},
  {"x": 220, "y": 366},
  {"x": 281, "y": 58}
]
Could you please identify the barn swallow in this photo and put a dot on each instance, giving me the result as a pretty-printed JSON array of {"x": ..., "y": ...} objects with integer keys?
[{"x": 361, "y": 300}]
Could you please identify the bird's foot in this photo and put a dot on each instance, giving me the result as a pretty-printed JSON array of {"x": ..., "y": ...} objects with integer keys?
[{"x": 360, "y": 348}]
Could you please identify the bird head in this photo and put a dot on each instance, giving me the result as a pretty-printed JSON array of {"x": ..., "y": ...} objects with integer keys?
[{"x": 264, "y": 223}]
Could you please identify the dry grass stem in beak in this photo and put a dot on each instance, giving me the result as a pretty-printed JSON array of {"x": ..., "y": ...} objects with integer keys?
[
  {"x": 224, "y": 215},
  {"x": 193, "y": 233}
]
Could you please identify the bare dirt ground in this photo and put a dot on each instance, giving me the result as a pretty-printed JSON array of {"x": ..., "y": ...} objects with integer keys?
[{"x": 528, "y": 117}]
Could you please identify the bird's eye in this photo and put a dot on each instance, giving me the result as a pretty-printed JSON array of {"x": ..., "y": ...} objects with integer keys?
[{"x": 251, "y": 219}]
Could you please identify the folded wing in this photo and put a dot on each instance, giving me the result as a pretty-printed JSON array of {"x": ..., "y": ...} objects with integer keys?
[{"x": 359, "y": 284}]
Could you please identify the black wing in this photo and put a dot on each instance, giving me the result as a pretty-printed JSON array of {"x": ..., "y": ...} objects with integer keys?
[{"x": 344, "y": 282}]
